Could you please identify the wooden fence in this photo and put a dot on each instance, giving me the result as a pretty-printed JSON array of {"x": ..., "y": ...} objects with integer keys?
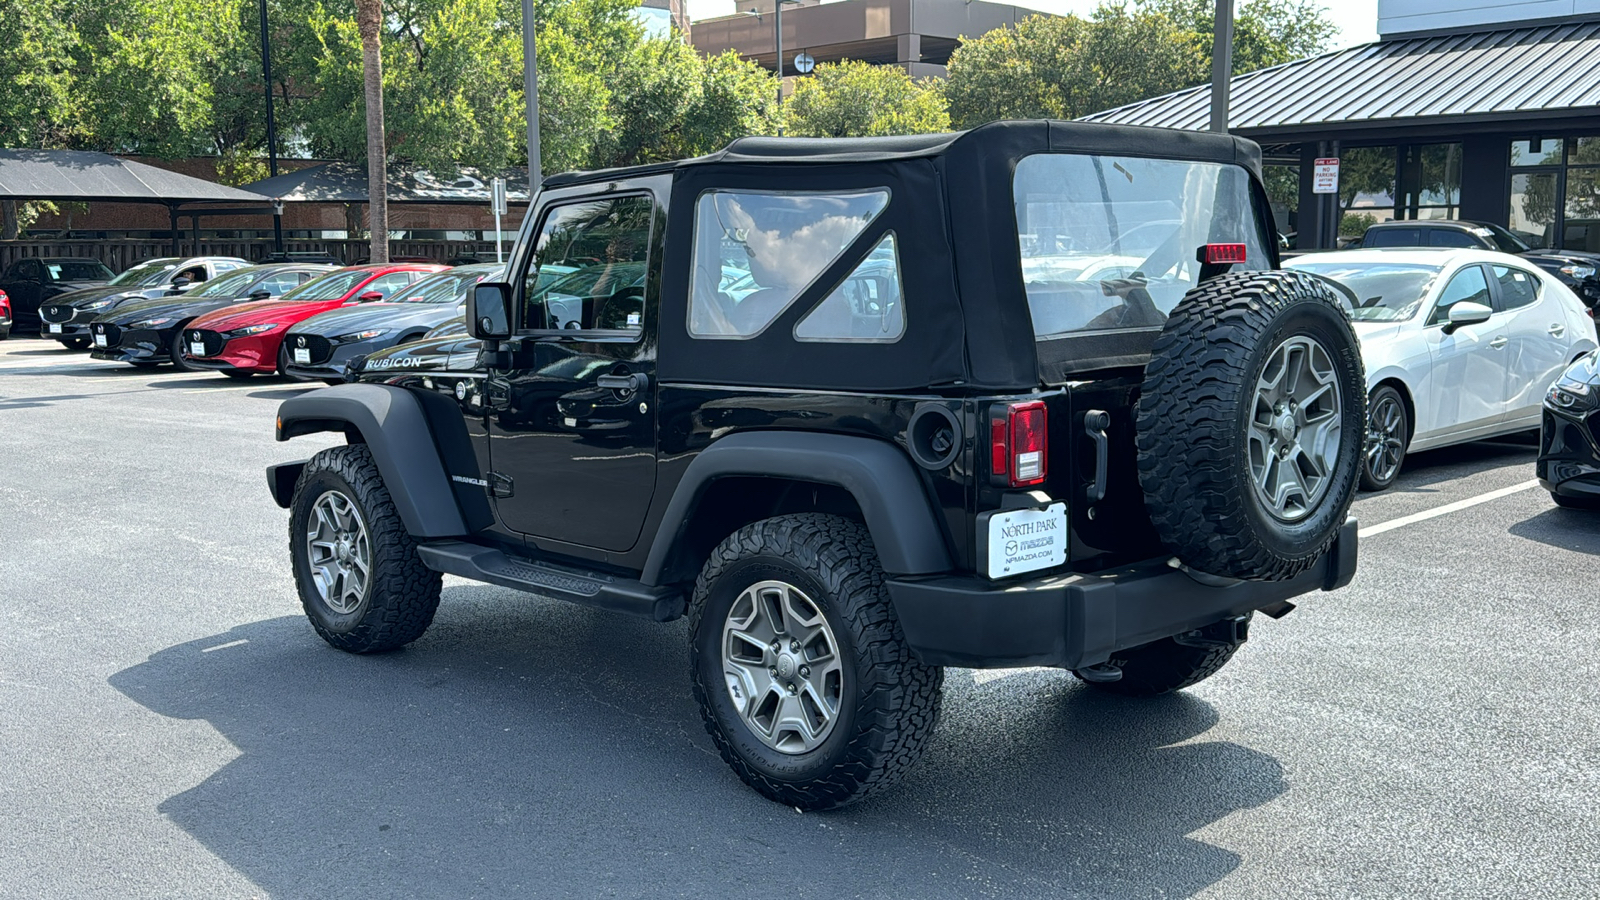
[{"x": 120, "y": 254}]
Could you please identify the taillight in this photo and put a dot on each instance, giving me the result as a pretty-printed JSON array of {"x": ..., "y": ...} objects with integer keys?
[
  {"x": 1223, "y": 254},
  {"x": 1018, "y": 449}
]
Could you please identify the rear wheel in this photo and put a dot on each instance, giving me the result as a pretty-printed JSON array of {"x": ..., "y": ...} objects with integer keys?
[
  {"x": 1388, "y": 435},
  {"x": 362, "y": 584},
  {"x": 1249, "y": 425},
  {"x": 801, "y": 669}
]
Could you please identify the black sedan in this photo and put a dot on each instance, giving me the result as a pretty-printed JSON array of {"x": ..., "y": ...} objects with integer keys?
[
  {"x": 1577, "y": 269},
  {"x": 323, "y": 345},
  {"x": 66, "y": 318},
  {"x": 148, "y": 332},
  {"x": 34, "y": 281},
  {"x": 1569, "y": 438}
]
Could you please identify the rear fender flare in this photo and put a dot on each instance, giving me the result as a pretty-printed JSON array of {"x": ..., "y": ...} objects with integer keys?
[
  {"x": 893, "y": 501},
  {"x": 394, "y": 425}
]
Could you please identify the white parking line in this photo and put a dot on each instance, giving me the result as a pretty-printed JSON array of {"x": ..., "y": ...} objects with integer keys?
[{"x": 1446, "y": 509}]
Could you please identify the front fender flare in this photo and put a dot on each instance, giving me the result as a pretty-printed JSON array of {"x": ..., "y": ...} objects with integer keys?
[
  {"x": 393, "y": 424},
  {"x": 877, "y": 474}
]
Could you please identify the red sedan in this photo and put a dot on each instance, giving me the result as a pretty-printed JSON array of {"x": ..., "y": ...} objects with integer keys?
[
  {"x": 245, "y": 338},
  {"x": 5, "y": 316}
]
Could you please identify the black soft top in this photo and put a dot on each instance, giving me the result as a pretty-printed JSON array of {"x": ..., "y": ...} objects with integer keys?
[
  {"x": 1011, "y": 140},
  {"x": 968, "y": 320}
]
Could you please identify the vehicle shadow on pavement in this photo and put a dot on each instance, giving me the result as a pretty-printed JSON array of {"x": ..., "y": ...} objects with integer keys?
[
  {"x": 1421, "y": 471},
  {"x": 528, "y": 747},
  {"x": 1567, "y": 529}
]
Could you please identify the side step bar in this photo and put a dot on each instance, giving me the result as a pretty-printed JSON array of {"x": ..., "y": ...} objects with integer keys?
[{"x": 479, "y": 563}]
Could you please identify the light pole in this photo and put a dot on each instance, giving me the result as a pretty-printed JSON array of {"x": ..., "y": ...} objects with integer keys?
[
  {"x": 530, "y": 85},
  {"x": 272, "y": 129},
  {"x": 777, "y": 7},
  {"x": 1221, "y": 65}
]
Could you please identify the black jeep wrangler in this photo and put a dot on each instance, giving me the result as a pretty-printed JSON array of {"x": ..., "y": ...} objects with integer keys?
[{"x": 1029, "y": 395}]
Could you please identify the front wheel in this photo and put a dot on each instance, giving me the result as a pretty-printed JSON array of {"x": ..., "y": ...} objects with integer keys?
[
  {"x": 801, "y": 669},
  {"x": 175, "y": 351},
  {"x": 362, "y": 584},
  {"x": 75, "y": 343},
  {"x": 1388, "y": 436}
]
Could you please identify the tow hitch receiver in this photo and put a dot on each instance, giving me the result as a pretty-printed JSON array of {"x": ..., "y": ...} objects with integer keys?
[{"x": 1222, "y": 635}]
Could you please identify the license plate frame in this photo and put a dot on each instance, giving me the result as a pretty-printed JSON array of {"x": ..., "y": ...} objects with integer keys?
[
  {"x": 55, "y": 327},
  {"x": 302, "y": 356},
  {"x": 197, "y": 348},
  {"x": 1017, "y": 541},
  {"x": 100, "y": 341}
]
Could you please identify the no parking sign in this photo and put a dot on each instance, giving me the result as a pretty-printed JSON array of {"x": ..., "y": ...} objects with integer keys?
[{"x": 1325, "y": 176}]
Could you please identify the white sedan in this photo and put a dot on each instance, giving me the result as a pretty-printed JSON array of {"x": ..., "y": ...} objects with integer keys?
[{"x": 1459, "y": 345}]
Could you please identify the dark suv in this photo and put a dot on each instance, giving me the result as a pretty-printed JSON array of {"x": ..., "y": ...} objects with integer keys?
[
  {"x": 1029, "y": 395},
  {"x": 1575, "y": 269}
]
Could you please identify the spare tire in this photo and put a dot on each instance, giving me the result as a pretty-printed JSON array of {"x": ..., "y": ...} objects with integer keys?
[{"x": 1250, "y": 425}]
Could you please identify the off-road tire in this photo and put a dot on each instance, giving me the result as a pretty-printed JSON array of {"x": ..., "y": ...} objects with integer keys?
[
  {"x": 1161, "y": 667},
  {"x": 75, "y": 343},
  {"x": 403, "y": 593},
  {"x": 1193, "y": 420},
  {"x": 890, "y": 699}
]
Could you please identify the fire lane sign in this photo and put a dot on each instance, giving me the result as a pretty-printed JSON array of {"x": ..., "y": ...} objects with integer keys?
[{"x": 1325, "y": 176}]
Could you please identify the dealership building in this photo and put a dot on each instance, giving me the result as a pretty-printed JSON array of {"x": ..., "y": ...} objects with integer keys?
[{"x": 1490, "y": 114}]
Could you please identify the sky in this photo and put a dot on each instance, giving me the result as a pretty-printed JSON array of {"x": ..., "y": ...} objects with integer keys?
[{"x": 1357, "y": 19}]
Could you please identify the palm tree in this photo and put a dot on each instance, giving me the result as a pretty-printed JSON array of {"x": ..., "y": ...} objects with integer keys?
[{"x": 369, "y": 19}]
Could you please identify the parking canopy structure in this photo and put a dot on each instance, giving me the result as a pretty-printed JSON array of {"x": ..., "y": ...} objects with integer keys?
[
  {"x": 78, "y": 175},
  {"x": 1472, "y": 118}
]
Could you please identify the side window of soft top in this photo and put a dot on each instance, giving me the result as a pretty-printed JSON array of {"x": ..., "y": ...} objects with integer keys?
[{"x": 590, "y": 266}]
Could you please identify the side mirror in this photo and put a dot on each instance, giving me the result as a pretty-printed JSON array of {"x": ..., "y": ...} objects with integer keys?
[
  {"x": 260, "y": 295},
  {"x": 370, "y": 297},
  {"x": 489, "y": 312},
  {"x": 1467, "y": 313}
]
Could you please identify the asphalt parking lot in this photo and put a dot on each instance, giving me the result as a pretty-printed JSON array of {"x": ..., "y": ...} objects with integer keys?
[{"x": 170, "y": 725}]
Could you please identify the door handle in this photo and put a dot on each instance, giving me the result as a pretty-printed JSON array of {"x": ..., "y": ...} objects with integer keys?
[
  {"x": 1557, "y": 330},
  {"x": 630, "y": 383},
  {"x": 1499, "y": 342}
]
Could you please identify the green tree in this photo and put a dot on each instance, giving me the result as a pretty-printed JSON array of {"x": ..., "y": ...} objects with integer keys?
[
  {"x": 1265, "y": 32},
  {"x": 669, "y": 102},
  {"x": 857, "y": 99},
  {"x": 1065, "y": 67},
  {"x": 36, "y": 74},
  {"x": 146, "y": 72}
]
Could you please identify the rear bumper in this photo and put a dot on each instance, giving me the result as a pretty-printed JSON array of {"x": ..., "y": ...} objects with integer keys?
[{"x": 1075, "y": 620}]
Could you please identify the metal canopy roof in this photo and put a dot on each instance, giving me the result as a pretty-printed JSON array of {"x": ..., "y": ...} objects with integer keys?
[
  {"x": 81, "y": 175},
  {"x": 342, "y": 182},
  {"x": 1522, "y": 73}
]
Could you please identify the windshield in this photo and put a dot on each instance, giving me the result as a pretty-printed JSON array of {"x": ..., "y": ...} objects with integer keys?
[
  {"x": 445, "y": 287},
  {"x": 1505, "y": 241},
  {"x": 77, "y": 270},
  {"x": 234, "y": 284},
  {"x": 329, "y": 287},
  {"x": 152, "y": 272},
  {"x": 1111, "y": 242},
  {"x": 1384, "y": 292}
]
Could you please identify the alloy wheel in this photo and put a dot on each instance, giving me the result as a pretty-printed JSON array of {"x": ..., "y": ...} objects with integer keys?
[
  {"x": 1295, "y": 428},
  {"x": 340, "y": 552},
  {"x": 1386, "y": 438},
  {"x": 782, "y": 666}
]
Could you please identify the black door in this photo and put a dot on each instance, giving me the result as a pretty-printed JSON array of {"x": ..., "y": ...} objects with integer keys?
[{"x": 573, "y": 419}]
